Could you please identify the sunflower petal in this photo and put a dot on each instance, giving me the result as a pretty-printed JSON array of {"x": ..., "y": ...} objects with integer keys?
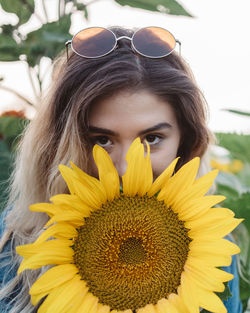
[
  {"x": 210, "y": 301},
  {"x": 83, "y": 190},
  {"x": 196, "y": 207},
  {"x": 107, "y": 172},
  {"x": 162, "y": 179},
  {"x": 101, "y": 308},
  {"x": 149, "y": 308},
  {"x": 219, "y": 246},
  {"x": 177, "y": 185},
  {"x": 88, "y": 302},
  {"x": 48, "y": 208},
  {"x": 72, "y": 217},
  {"x": 165, "y": 306},
  {"x": 198, "y": 267},
  {"x": 65, "y": 297},
  {"x": 62, "y": 230},
  {"x": 54, "y": 277},
  {"x": 89, "y": 182},
  {"x": 72, "y": 202},
  {"x": 187, "y": 293},
  {"x": 203, "y": 280},
  {"x": 51, "y": 252},
  {"x": 177, "y": 302},
  {"x": 138, "y": 177},
  {"x": 217, "y": 230}
]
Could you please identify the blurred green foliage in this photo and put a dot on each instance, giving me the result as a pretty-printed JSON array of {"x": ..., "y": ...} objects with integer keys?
[
  {"x": 47, "y": 41},
  {"x": 11, "y": 127},
  {"x": 236, "y": 188}
]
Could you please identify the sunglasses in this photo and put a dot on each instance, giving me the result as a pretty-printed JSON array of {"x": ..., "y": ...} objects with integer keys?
[{"x": 96, "y": 42}]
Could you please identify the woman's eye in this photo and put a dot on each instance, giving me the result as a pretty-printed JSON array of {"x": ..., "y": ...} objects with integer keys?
[
  {"x": 152, "y": 139},
  {"x": 102, "y": 141}
]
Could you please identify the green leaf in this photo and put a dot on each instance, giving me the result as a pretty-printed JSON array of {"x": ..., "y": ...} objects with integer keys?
[
  {"x": 166, "y": 6},
  {"x": 11, "y": 125},
  {"x": 238, "y": 145},
  {"x": 225, "y": 294},
  {"x": 230, "y": 185},
  {"x": 238, "y": 112},
  {"x": 22, "y": 8},
  {"x": 47, "y": 41},
  {"x": 9, "y": 49}
]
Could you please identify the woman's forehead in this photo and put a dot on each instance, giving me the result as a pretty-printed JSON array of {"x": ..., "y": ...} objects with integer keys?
[{"x": 131, "y": 108}]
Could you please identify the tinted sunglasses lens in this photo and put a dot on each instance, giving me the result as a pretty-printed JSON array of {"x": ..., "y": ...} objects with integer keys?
[
  {"x": 93, "y": 42},
  {"x": 154, "y": 42}
]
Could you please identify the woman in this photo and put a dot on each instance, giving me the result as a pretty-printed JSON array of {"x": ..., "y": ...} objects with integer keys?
[{"x": 107, "y": 98}]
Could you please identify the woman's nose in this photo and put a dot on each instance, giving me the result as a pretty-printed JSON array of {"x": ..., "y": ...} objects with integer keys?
[{"x": 120, "y": 162}]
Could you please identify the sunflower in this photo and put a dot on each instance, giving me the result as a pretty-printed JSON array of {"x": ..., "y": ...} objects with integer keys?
[{"x": 154, "y": 247}]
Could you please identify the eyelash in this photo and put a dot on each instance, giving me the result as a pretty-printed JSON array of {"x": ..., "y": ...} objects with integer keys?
[
  {"x": 144, "y": 140},
  {"x": 98, "y": 138},
  {"x": 159, "y": 137}
]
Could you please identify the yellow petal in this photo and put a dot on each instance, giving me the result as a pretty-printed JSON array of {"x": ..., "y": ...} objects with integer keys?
[
  {"x": 196, "y": 207},
  {"x": 198, "y": 267},
  {"x": 162, "y": 179},
  {"x": 107, "y": 172},
  {"x": 216, "y": 230},
  {"x": 177, "y": 185},
  {"x": 177, "y": 302},
  {"x": 138, "y": 177},
  {"x": 62, "y": 230},
  {"x": 70, "y": 216},
  {"x": 64, "y": 298},
  {"x": 50, "y": 252},
  {"x": 219, "y": 246},
  {"x": 87, "y": 303},
  {"x": 187, "y": 293},
  {"x": 90, "y": 182},
  {"x": 48, "y": 208},
  {"x": 165, "y": 306},
  {"x": 68, "y": 175},
  {"x": 211, "y": 217},
  {"x": 212, "y": 260},
  {"x": 149, "y": 308},
  {"x": 69, "y": 202},
  {"x": 202, "y": 279},
  {"x": 210, "y": 301},
  {"x": 103, "y": 308},
  {"x": 83, "y": 190},
  {"x": 53, "y": 278},
  {"x": 203, "y": 184}
]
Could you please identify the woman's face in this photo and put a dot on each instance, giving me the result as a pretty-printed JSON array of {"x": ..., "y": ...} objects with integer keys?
[{"x": 116, "y": 121}]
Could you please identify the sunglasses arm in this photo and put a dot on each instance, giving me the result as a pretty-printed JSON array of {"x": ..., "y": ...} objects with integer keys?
[
  {"x": 179, "y": 43},
  {"x": 66, "y": 46}
]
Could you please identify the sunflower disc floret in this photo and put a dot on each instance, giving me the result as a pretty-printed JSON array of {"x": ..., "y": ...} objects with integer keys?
[{"x": 154, "y": 247}]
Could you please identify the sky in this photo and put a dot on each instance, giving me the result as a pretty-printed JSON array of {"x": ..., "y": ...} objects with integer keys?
[{"x": 215, "y": 44}]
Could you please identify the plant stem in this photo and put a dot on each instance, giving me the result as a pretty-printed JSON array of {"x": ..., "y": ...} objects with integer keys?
[
  {"x": 90, "y": 2},
  {"x": 45, "y": 11},
  {"x": 59, "y": 9},
  {"x": 39, "y": 79},
  {"x": 30, "y": 8},
  {"x": 31, "y": 81},
  {"x": 17, "y": 94}
]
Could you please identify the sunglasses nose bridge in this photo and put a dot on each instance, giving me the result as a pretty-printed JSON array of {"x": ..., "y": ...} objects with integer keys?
[{"x": 123, "y": 37}]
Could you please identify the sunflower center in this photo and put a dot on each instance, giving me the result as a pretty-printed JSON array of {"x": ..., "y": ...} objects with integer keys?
[{"x": 131, "y": 252}]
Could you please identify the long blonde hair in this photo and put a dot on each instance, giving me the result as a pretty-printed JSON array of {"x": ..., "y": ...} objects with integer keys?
[{"x": 59, "y": 134}]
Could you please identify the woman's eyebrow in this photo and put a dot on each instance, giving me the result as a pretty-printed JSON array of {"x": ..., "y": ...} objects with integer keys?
[
  {"x": 99, "y": 130},
  {"x": 155, "y": 127}
]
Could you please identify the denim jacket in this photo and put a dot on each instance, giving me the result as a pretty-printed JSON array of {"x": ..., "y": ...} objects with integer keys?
[{"x": 233, "y": 304}]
